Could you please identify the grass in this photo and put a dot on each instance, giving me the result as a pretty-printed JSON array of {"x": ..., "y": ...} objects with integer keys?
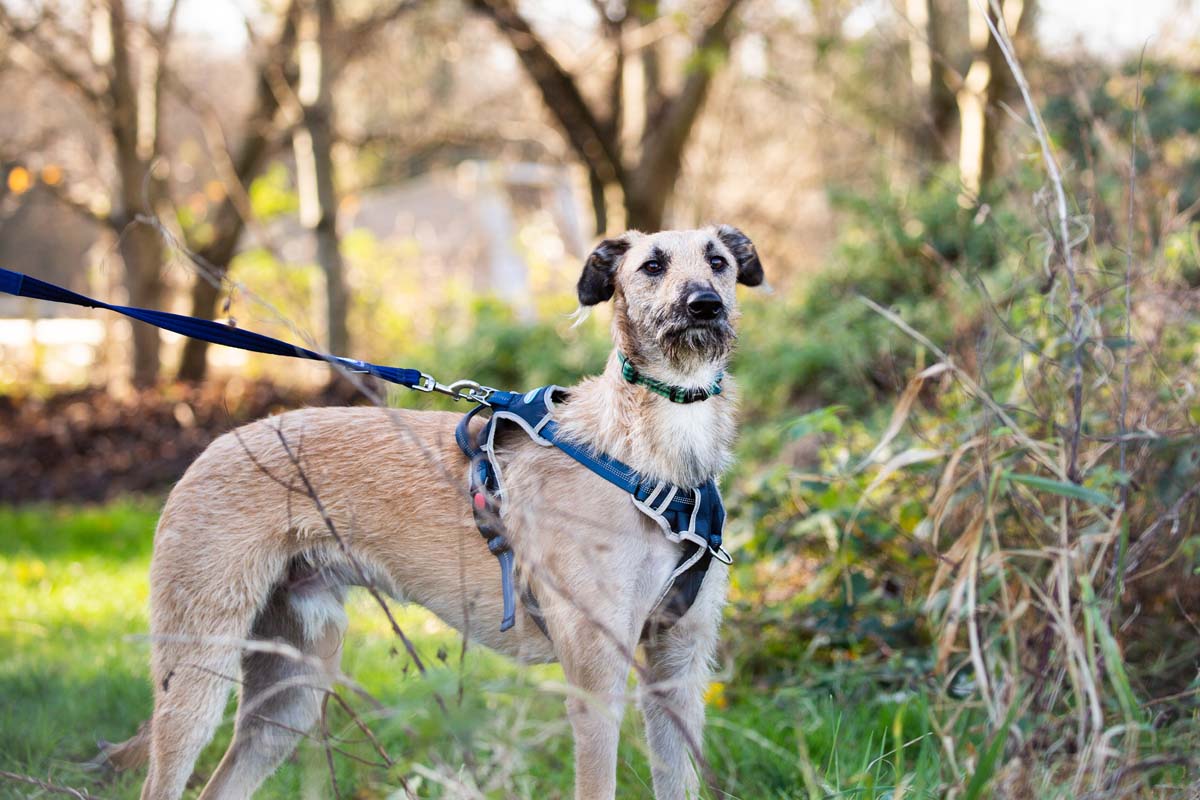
[{"x": 73, "y": 592}]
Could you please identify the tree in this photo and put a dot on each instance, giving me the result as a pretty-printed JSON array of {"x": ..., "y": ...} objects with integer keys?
[
  {"x": 262, "y": 130},
  {"x": 645, "y": 175},
  {"x": 929, "y": 66},
  {"x": 121, "y": 79},
  {"x": 987, "y": 85},
  {"x": 313, "y": 146},
  {"x": 294, "y": 95}
]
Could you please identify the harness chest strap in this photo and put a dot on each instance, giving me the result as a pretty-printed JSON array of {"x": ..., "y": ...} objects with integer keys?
[{"x": 694, "y": 517}]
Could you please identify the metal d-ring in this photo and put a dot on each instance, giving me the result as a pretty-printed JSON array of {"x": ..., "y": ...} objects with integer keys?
[{"x": 721, "y": 554}]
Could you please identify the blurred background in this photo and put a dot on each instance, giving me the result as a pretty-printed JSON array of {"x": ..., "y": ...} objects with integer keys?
[{"x": 963, "y": 507}]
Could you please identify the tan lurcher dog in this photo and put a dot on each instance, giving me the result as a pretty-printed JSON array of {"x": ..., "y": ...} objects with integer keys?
[{"x": 243, "y": 551}]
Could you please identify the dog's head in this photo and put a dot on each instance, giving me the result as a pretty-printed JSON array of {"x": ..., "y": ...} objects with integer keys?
[{"x": 673, "y": 292}]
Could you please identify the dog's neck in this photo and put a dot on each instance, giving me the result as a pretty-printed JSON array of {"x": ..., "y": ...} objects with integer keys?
[{"x": 683, "y": 444}]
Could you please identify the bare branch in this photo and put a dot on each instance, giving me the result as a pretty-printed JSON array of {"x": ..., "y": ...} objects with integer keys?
[
  {"x": 1127, "y": 357},
  {"x": 89, "y": 211},
  {"x": 357, "y": 35},
  {"x": 590, "y": 138},
  {"x": 653, "y": 98},
  {"x": 161, "y": 37},
  {"x": 678, "y": 115},
  {"x": 43, "y": 48},
  {"x": 1004, "y": 42}
]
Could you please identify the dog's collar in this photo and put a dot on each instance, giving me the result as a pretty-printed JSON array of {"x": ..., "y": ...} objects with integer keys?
[{"x": 676, "y": 394}]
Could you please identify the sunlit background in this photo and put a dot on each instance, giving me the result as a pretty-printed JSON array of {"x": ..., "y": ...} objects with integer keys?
[{"x": 963, "y": 507}]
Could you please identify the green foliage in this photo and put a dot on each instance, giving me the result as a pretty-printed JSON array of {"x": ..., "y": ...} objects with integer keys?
[
  {"x": 1092, "y": 115},
  {"x": 914, "y": 249},
  {"x": 272, "y": 193},
  {"x": 488, "y": 342},
  {"x": 73, "y": 671}
]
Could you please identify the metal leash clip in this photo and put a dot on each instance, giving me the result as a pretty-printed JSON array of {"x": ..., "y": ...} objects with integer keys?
[{"x": 458, "y": 390}]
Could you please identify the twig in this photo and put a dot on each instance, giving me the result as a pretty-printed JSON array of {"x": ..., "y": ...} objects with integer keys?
[
  {"x": 1122, "y": 421},
  {"x": 47, "y": 786},
  {"x": 368, "y": 581},
  {"x": 1060, "y": 197},
  {"x": 1144, "y": 541},
  {"x": 333, "y": 783}
]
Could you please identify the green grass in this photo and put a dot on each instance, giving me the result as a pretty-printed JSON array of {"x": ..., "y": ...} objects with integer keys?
[{"x": 73, "y": 591}]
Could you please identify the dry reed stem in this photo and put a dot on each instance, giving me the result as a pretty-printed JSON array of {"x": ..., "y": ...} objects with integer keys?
[{"x": 1000, "y": 33}]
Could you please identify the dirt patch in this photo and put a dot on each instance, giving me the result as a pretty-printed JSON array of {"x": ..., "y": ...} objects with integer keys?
[{"x": 89, "y": 445}]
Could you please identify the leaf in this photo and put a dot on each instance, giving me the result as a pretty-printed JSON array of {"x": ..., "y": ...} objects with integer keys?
[
  {"x": 1062, "y": 488},
  {"x": 987, "y": 762},
  {"x": 914, "y": 455},
  {"x": 821, "y": 420},
  {"x": 1114, "y": 663},
  {"x": 900, "y": 413}
]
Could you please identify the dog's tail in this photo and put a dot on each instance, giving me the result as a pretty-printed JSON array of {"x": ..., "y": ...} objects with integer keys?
[{"x": 133, "y": 753}]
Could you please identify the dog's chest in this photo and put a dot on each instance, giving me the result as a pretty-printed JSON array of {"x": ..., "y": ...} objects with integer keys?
[{"x": 684, "y": 443}]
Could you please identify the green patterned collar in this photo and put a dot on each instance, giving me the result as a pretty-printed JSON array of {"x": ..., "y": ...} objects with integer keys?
[{"x": 676, "y": 394}]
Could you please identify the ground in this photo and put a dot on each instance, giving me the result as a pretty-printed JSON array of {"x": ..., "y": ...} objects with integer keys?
[{"x": 73, "y": 583}]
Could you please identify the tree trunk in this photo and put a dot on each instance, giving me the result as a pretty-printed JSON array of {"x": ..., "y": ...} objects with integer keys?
[
  {"x": 647, "y": 186},
  {"x": 650, "y": 185},
  {"x": 988, "y": 84},
  {"x": 142, "y": 251},
  {"x": 313, "y": 143},
  {"x": 926, "y": 55},
  {"x": 229, "y": 221},
  {"x": 140, "y": 245}
]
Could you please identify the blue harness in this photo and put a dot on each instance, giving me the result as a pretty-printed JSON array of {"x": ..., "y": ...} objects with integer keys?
[{"x": 694, "y": 517}]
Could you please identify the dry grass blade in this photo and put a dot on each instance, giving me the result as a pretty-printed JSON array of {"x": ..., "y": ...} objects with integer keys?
[{"x": 1037, "y": 449}]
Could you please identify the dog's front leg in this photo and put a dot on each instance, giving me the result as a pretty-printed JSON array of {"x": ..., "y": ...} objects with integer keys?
[
  {"x": 671, "y": 696},
  {"x": 597, "y": 668}
]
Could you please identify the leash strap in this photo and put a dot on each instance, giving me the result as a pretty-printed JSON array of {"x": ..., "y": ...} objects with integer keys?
[
  {"x": 700, "y": 510},
  {"x": 20, "y": 285}
]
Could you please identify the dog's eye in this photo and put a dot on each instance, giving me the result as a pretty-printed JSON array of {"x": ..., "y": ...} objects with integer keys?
[
  {"x": 652, "y": 267},
  {"x": 718, "y": 263}
]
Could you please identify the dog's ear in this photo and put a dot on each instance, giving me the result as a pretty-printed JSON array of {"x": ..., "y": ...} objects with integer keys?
[
  {"x": 596, "y": 282},
  {"x": 750, "y": 271}
]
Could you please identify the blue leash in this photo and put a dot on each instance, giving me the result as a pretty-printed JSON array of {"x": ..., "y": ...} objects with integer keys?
[{"x": 20, "y": 285}]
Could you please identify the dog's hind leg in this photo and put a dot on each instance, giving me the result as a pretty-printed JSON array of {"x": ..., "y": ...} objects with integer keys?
[
  {"x": 282, "y": 691},
  {"x": 204, "y": 599},
  {"x": 189, "y": 700},
  {"x": 671, "y": 695}
]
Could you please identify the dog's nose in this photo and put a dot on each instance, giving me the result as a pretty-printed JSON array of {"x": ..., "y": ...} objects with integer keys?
[{"x": 704, "y": 305}]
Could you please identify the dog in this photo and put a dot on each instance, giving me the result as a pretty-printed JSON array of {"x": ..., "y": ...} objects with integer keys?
[{"x": 268, "y": 529}]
